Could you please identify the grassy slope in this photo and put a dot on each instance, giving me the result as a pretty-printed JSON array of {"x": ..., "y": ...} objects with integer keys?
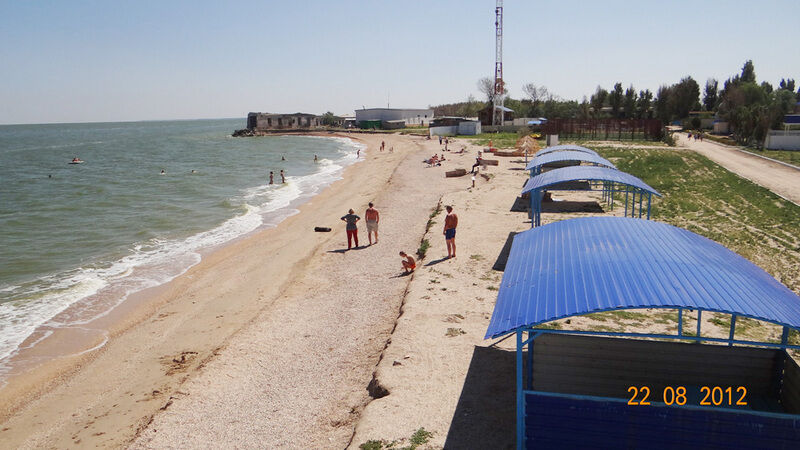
[{"x": 701, "y": 196}]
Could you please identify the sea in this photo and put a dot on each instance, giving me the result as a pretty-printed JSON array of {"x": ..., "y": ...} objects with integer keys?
[{"x": 149, "y": 200}]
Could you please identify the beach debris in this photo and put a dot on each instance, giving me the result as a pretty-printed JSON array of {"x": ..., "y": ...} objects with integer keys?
[
  {"x": 453, "y": 332},
  {"x": 396, "y": 363},
  {"x": 455, "y": 173},
  {"x": 322, "y": 229}
]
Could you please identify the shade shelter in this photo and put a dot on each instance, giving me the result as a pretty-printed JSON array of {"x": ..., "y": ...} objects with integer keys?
[
  {"x": 565, "y": 147},
  {"x": 610, "y": 181},
  {"x": 573, "y": 389},
  {"x": 540, "y": 161}
]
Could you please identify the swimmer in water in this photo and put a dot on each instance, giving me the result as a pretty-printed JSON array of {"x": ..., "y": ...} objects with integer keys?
[
  {"x": 283, "y": 178},
  {"x": 315, "y": 158},
  {"x": 163, "y": 172},
  {"x": 270, "y": 178},
  {"x": 283, "y": 159}
]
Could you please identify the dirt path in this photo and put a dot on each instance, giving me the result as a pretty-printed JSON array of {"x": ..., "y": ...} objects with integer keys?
[{"x": 780, "y": 179}]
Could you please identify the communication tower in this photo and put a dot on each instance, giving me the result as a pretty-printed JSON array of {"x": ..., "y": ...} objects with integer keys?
[{"x": 497, "y": 106}]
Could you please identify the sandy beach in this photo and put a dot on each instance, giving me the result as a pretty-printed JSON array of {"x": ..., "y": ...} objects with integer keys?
[{"x": 280, "y": 331}]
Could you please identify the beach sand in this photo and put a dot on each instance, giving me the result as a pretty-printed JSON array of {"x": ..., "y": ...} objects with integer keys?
[{"x": 271, "y": 341}]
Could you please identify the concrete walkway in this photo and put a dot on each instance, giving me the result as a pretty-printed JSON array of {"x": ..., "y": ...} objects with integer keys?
[{"x": 781, "y": 179}]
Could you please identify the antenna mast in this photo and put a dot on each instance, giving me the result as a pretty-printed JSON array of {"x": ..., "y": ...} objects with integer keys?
[{"x": 497, "y": 104}]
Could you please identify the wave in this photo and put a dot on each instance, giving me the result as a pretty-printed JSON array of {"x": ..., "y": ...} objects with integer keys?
[{"x": 79, "y": 296}]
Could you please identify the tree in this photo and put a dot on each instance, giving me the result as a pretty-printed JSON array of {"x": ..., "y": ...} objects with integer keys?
[
  {"x": 643, "y": 104},
  {"x": 329, "y": 119},
  {"x": 748, "y": 72},
  {"x": 767, "y": 87},
  {"x": 584, "y": 110},
  {"x": 629, "y": 105},
  {"x": 537, "y": 94},
  {"x": 598, "y": 100},
  {"x": 685, "y": 97},
  {"x": 787, "y": 84},
  {"x": 710, "y": 97},
  {"x": 662, "y": 103},
  {"x": 486, "y": 86},
  {"x": 615, "y": 100}
]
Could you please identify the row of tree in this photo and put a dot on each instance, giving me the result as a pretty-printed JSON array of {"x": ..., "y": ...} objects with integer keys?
[{"x": 750, "y": 108}]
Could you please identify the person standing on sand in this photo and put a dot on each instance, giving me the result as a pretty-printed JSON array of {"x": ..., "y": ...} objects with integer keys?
[
  {"x": 450, "y": 224},
  {"x": 283, "y": 177},
  {"x": 408, "y": 262},
  {"x": 352, "y": 229},
  {"x": 383, "y": 145},
  {"x": 271, "y": 178},
  {"x": 372, "y": 217}
]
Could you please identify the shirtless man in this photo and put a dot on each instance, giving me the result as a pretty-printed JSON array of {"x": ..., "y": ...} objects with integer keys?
[
  {"x": 450, "y": 224},
  {"x": 372, "y": 217},
  {"x": 408, "y": 262}
]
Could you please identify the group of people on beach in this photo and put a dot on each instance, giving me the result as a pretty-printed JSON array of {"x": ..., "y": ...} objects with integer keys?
[{"x": 372, "y": 217}]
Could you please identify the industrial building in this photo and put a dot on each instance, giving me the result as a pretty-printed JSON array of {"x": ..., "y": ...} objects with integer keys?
[
  {"x": 266, "y": 121},
  {"x": 381, "y": 117}
]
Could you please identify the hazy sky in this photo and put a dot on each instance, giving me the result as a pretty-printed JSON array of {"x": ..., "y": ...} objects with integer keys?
[{"x": 79, "y": 61}]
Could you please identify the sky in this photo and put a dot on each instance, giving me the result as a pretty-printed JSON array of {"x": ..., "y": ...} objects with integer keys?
[{"x": 100, "y": 61}]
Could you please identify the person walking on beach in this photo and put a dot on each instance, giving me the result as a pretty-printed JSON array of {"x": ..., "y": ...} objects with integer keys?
[
  {"x": 408, "y": 262},
  {"x": 283, "y": 177},
  {"x": 383, "y": 145},
  {"x": 271, "y": 177},
  {"x": 450, "y": 224},
  {"x": 352, "y": 229},
  {"x": 372, "y": 217}
]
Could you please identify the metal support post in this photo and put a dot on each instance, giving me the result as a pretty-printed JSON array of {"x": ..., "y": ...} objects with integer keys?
[
  {"x": 699, "y": 321},
  {"x": 530, "y": 360},
  {"x": 680, "y": 321},
  {"x": 520, "y": 397},
  {"x": 733, "y": 330}
]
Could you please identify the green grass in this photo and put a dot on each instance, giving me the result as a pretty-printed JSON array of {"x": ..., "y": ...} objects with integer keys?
[
  {"x": 423, "y": 248},
  {"x": 781, "y": 155},
  {"x": 704, "y": 198},
  {"x": 499, "y": 140}
]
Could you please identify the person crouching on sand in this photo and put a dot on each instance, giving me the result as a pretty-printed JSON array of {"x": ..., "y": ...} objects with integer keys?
[
  {"x": 352, "y": 229},
  {"x": 408, "y": 262}
]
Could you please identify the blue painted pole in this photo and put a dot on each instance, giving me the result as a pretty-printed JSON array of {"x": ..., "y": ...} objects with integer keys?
[
  {"x": 530, "y": 361},
  {"x": 733, "y": 330},
  {"x": 520, "y": 397},
  {"x": 699, "y": 321},
  {"x": 680, "y": 321},
  {"x": 785, "y": 336},
  {"x": 649, "y": 196}
]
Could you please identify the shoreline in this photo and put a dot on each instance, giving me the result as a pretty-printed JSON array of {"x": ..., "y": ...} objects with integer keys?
[
  {"x": 50, "y": 355},
  {"x": 78, "y": 335},
  {"x": 179, "y": 329}
]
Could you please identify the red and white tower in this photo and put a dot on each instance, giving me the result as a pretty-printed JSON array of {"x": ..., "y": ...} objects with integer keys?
[{"x": 497, "y": 114}]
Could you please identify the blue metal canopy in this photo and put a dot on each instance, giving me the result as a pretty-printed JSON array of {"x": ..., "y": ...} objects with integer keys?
[
  {"x": 575, "y": 173},
  {"x": 569, "y": 155},
  {"x": 559, "y": 148},
  {"x": 594, "y": 264}
]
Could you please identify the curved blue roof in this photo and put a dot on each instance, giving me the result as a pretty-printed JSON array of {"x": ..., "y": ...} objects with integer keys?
[
  {"x": 559, "y": 148},
  {"x": 575, "y": 173},
  {"x": 594, "y": 264},
  {"x": 568, "y": 155}
]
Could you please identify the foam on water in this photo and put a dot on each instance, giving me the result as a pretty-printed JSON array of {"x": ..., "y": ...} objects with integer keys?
[{"x": 76, "y": 297}]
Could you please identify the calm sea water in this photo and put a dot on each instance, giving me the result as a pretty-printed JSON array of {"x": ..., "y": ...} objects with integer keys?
[{"x": 73, "y": 234}]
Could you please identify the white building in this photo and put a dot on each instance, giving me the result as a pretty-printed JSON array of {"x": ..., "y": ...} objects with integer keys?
[{"x": 410, "y": 116}]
